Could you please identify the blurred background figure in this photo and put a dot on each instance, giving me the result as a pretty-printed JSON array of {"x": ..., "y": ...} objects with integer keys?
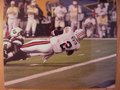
[
  {"x": 21, "y": 14},
  {"x": 102, "y": 25},
  {"x": 90, "y": 25},
  {"x": 113, "y": 23},
  {"x": 102, "y": 19},
  {"x": 12, "y": 16},
  {"x": 32, "y": 13},
  {"x": 74, "y": 9},
  {"x": 37, "y": 19},
  {"x": 60, "y": 12}
]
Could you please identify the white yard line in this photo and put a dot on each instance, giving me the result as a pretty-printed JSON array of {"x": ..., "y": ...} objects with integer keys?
[
  {"x": 57, "y": 70},
  {"x": 112, "y": 86}
]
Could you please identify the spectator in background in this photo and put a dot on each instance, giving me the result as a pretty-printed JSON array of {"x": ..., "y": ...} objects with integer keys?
[
  {"x": 60, "y": 12},
  {"x": 74, "y": 10},
  {"x": 21, "y": 15},
  {"x": 40, "y": 12},
  {"x": 67, "y": 19},
  {"x": 90, "y": 26},
  {"x": 51, "y": 5},
  {"x": 102, "y": 19},
  {"x": 32, "y": 13},
  {"x": 45, "y": 26},
  {"x": 26, "y": 4},
  {"x": 81, "y": 18},
  {"x": 113, "y": 23},
  {"x": 12, "y": 15},
  {"x": 101, "y": 8},
  {"x": 102, "y": 22},
  {"x": 39, "y": 18}
]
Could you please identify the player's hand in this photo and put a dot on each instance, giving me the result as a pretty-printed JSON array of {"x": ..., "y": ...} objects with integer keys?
[{"x": 69, "y": 52}]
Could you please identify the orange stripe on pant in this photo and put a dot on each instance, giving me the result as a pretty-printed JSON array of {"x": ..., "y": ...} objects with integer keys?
[{"x": 35, "y": 43}]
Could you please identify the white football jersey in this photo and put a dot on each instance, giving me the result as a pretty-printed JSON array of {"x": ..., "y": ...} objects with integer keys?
[
  {"x": 66, "y": 41},
  {"x": 90, "y": 20},
  {"x": 32, "y": 11},
  {"x": 60, "y": 12},
  {"x": 12, "y": 12},
  {"x": 74, "y": 10}
]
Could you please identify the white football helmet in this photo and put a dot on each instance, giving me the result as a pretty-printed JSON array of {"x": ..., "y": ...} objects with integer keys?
[
  {"x": 15, "y": 32},
  {"x": 79, "y": 33},
  {"x": 67, "y": 29}
]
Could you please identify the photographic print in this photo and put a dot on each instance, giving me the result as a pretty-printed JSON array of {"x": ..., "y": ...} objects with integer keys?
[{"x": 59, "y": 44}]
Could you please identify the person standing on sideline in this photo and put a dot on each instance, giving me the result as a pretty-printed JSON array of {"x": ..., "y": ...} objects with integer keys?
[
  {"x": 12, "y": 15},
  {"x": 32, "y": 13},
  {"x": 90, "y": 25},
  {"x": 74, "y": 10},
  {"x": 113, "y": 23},
  {"x": 60, "y": 12}
]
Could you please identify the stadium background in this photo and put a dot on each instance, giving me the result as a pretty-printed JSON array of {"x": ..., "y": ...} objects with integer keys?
[{"x": 66, "y": 3}]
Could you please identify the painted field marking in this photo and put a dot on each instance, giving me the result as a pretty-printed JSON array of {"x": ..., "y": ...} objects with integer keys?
[
  {"x": 34, "y": 64},
  {"x": 81, "y": 54},
  {"x": 97, "y": 51},
  {"x": 57, "y": 70},
  {"x": 112, "y": 86}
]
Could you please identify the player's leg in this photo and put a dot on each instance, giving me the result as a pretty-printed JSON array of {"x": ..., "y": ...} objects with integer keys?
[
  {"x": 62, "y": 24},
  {"x": 57, "y": 23},
  {"x": 46, "y": 57},
  {"x": 44, "y": 50},
  {"x": 28, "y": 27},
  {"x": 73, "y": 22},
  {"x": 100, "y": 31},
  {"x": 10, "y": 25},
  {"x": 15, "y": 23},
  {"x": 103, "y": 31},
  {"x": 41, "y": 47},
  {"x": 34, "y": 25},
  {"x": 89, "y": 32}
]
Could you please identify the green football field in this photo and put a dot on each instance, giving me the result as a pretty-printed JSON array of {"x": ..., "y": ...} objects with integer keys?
[{"x": 92, "y": 65}]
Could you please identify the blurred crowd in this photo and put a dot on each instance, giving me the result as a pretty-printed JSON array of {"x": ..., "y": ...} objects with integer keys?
[{"x": 100, "y": 22}]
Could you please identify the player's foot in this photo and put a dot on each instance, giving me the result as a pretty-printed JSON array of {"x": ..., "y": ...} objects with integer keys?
[
  {"x": 33, "y": 35},
  {"x": 27, "y": 35},
  {"x": 44, "y": 59}
]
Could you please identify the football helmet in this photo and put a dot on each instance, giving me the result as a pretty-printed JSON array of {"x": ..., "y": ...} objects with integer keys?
[
  {"x": 15, "y": 32},
  {"x": 67, "y": 29}
]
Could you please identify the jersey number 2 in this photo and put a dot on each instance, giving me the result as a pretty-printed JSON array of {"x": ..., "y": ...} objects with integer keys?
[{"x": 66, "y": 45}]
